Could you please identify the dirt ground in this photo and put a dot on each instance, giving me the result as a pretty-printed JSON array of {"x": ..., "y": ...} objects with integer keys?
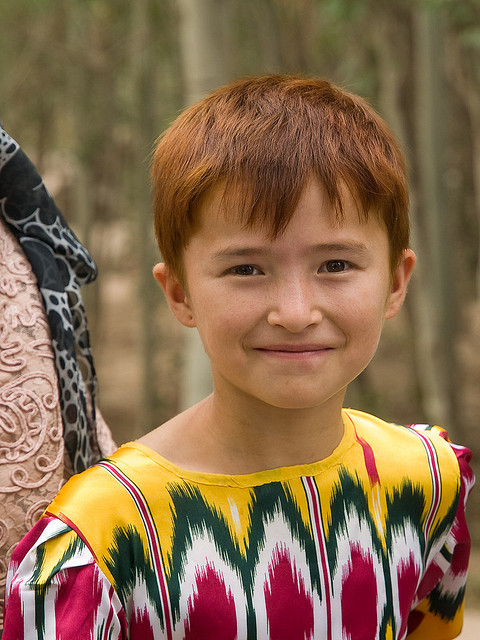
[{"x": 471, "y": 626}]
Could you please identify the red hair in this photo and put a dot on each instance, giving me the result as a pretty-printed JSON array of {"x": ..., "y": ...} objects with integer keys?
[{"x": 265, "y": 137}]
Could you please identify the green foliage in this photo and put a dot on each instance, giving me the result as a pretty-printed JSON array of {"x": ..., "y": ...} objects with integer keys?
[{"x": 470, "y": 38}]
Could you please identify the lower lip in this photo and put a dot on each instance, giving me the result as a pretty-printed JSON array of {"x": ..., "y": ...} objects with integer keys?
[{"x": 294, "y": 355}]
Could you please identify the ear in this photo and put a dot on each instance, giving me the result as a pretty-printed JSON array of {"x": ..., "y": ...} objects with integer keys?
[
  {"x": 400, "y": 279},
  {"x": 175, "y": 294}
]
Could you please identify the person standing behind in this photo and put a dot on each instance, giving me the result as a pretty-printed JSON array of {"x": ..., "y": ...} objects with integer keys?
[{"x": 41, "y": 384}]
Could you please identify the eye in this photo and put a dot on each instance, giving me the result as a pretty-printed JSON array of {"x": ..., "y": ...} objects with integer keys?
[
  {"x": 245, "y": 270},
  {"x": 335, "y": 266}
]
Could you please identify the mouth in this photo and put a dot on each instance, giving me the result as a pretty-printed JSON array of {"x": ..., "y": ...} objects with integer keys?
[{"x": 293, "y": 351}]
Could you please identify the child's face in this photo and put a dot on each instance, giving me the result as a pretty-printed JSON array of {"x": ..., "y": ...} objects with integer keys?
[{"x": 288, "y": 321}]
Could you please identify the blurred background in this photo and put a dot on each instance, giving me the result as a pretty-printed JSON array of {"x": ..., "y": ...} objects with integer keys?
[{"x": 88, "y": 85}]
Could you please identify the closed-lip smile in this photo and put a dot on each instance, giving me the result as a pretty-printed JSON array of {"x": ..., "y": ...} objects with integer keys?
[
  {"x": 294, "y": 350},
  {"x": 294, "y": 347}
]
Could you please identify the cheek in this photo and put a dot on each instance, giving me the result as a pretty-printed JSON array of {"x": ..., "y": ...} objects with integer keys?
[
  {"x": 364, "y": 314},
  {"x": 217, "y": 321}
]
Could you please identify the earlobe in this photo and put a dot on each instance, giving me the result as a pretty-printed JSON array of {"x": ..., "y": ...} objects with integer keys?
[
  {"x": 175, "y": 294},
  {"x": 400, "y": 279}
]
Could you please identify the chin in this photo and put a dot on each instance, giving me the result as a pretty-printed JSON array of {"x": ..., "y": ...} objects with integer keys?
[{"x": 296, "y": 403}]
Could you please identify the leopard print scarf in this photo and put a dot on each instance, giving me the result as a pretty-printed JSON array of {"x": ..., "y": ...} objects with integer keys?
[{"x": 61, "y": 265}]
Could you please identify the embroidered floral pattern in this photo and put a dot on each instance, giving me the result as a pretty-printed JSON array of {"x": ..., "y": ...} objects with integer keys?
[
  {"x": 31, "y": 434},
  {"x": 61, "y": 266}
]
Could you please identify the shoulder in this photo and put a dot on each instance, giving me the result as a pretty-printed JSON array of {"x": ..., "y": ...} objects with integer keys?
[
  {"x": 117, "y": 480},
  {"x": 110, "y": 505},
  {"x": 419, "y": 473},
  {"x": 379, "y": 432},
  {"x": 103, "y": 480},
  {"x": 420, "y": 451}
]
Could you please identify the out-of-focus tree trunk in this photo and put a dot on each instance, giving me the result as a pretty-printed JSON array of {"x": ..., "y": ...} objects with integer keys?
[
  {"x": 463, "y": 72},
  {"x": 142, "y": 102},
  {"x": 204, "y": 46},
  {"x": 391, "y": 47},
  {"x": 430, "y": 113},
  {"x": 205, "y": 61},
  {"x": 430, "y": 297}
]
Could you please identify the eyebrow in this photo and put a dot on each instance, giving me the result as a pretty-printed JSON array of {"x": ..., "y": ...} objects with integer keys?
[
  {"x": 349, "y": 246},
  {"x": 238, "y": 252}
]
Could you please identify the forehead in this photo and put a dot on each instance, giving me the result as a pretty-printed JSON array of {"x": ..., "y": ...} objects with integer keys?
[
  {"x": 229, "y": 206},
  {"x": 221, "y": 219}
]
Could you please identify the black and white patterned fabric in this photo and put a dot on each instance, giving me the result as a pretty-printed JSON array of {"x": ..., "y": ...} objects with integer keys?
[{"x": 61, "y": 265}]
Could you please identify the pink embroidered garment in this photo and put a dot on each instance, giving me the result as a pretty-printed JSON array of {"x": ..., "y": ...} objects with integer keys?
[{"x": 33, "y": 464}]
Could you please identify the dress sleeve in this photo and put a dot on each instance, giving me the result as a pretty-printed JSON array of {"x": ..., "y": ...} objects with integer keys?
[
  {"x": 56, "y": 590},
  {"x": 441, "y": 593}
]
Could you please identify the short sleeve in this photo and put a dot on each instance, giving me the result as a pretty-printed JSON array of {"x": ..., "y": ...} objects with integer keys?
[
  {"x": 441, "y": 593},
  {"x": 56, "y": 590}
]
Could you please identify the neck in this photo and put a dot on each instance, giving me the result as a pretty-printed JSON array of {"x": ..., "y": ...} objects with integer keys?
[
  {"x": 244, "y": 436},
  {"x": 257, "y": 436}
]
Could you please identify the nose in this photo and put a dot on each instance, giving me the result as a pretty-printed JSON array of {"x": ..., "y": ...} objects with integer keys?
[{"x": 293, "y": 306}]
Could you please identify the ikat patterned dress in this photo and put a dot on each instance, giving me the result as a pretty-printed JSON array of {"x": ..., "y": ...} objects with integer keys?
[{"x": 370, "y": 543}]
